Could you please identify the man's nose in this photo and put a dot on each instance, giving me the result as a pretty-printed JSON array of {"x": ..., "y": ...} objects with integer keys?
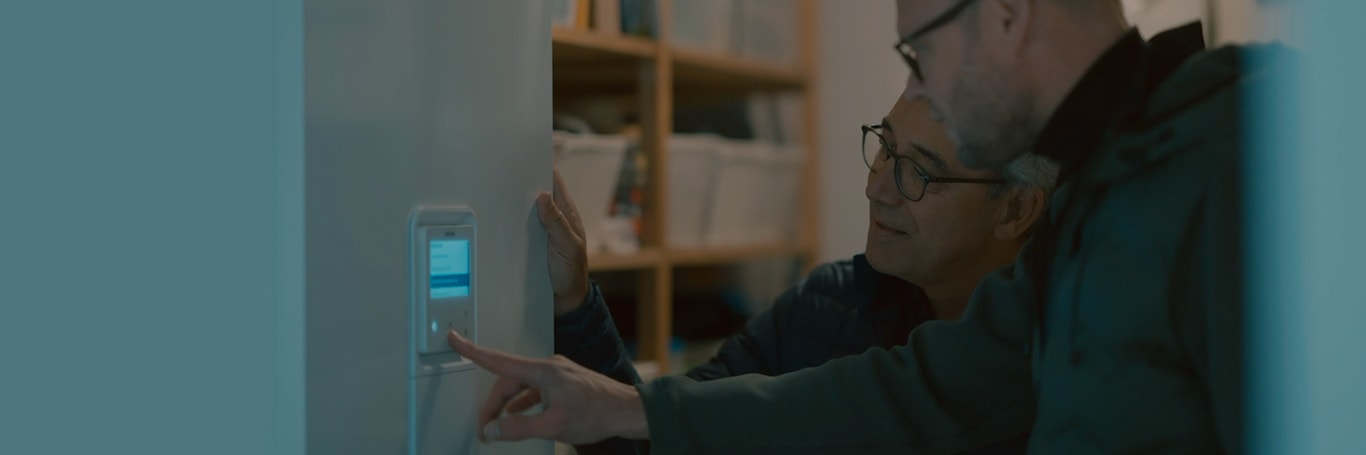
[
  {"x": 882, "y": 184},
  {"x": 914, "y": 88}
]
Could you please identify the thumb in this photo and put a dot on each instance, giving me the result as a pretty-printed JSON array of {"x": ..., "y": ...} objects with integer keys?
[{"x": 518, "y": 427}]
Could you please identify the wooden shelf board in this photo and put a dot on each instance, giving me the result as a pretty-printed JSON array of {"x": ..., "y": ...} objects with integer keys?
[
  {"x": 650, "y": 258},
  {"x": 647, "y": 258},
  {"x": 591, "y": 62},
  {"x": 573, "y": 45},
  {"x": 609, "y": 78},
  {"x": 693, "y": 68},
  {"x": 716, "y": 255}
]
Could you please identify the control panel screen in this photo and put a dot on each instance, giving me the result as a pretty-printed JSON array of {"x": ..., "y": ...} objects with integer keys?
[{"x": 449, "y": 268}]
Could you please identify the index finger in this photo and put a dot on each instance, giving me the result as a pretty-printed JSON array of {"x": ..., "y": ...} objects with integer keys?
[{"x": 500, "y": 363}]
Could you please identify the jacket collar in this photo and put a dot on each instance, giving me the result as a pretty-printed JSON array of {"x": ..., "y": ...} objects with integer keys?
[
  {"x": 1092, "y": 112},
  {"x": 1078, "y": 124}
]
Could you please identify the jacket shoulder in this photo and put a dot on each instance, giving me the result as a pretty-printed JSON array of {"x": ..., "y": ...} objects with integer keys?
[
  {"x": 837, "y": 280},
  {"x": 1202, "y": 105},
  {"x": 1202, "y": 78},
  {"x": 830, "y": 273}
]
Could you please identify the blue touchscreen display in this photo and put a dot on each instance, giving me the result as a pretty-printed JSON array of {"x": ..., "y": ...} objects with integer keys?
[{"x": 450, "y": 268}]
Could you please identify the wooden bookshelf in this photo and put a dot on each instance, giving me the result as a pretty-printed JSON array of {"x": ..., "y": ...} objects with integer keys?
[{"x": 649, "y": 72}]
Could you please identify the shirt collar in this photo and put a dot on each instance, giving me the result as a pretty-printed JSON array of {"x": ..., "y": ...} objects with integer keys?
[{"x": 1080, "y": 121}]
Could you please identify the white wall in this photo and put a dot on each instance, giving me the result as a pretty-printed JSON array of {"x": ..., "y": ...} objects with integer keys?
[
  {"x": 415, "y": 102},
  {"x": 156, "y": 295},
  {"x": 1154, "y": 16},
  {"x": 859, "y": 79},
  {"x": 1306, "y": 244},
  {"x": 150, "y": 295},
  {"x": 1241, "y": 21}
]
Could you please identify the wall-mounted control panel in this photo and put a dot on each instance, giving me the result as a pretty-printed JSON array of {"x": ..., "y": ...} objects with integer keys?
[
  {"x": 444, "y": 269},
  {"x": 444, "y": 292}
]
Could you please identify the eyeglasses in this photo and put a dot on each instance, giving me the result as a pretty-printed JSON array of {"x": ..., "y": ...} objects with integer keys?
[
  {"x": 904, "y": 45},
  {"x": 911, "y": 178}
]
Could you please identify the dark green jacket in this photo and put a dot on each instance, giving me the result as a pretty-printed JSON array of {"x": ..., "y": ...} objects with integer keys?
[
  {"x": 1118, "y": 330},
  {"x": 842, "y": 308}
]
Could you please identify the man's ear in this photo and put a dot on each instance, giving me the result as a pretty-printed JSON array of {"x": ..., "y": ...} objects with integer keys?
[{"x": 1023, "y": 206}]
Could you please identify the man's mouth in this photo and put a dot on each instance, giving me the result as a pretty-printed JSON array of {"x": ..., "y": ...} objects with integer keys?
[{"x": 884, "y": 228}]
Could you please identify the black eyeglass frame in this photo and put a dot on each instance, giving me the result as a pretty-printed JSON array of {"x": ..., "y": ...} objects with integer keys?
[
  {"x": 919, "y": 170},
  {"x": 908, "y": 52}
]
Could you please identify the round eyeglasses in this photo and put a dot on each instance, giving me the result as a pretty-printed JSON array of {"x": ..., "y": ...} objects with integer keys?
[{"x": 911, "y": 178}]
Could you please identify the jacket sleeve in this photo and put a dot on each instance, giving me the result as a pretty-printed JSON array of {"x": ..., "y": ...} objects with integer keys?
[
  {"x": 1213, "y": 310},
  {"x": 755, "y": 349},
  {"x": 589, "y": 337},
  {"x": 953, "y": 386}
]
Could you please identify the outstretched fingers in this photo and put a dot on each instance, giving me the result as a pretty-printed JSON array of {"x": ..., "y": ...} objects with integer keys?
[
  {"x": 518, "y": 427},
  {"x": 566, "y": 205},
  {"x": 529, "y": 398}
]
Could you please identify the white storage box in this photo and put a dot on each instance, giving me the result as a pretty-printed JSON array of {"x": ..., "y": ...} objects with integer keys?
[
  {"x": 756, "y": 195},
  {"x": 766, "y": 30},
  {"x": 692, "y": 168},
  {"x": 590, "y": 165},
  {"x": 703, "y": 25},
  {"x": 780, "y": 217}
]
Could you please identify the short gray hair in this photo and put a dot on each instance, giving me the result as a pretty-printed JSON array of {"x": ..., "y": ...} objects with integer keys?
[{"x": 1029, "y": 171}]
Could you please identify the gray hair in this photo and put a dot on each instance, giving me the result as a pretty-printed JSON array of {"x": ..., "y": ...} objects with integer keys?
[{"x": 1029, "y": 171}]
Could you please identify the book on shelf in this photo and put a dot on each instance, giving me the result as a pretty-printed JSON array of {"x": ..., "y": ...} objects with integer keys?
[
  {"x": 570, "y": 13},
  {"x": 607, "y": 16}
]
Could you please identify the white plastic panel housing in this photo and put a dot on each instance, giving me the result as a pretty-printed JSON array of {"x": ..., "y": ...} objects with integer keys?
[{"x": 443, "y": 274}]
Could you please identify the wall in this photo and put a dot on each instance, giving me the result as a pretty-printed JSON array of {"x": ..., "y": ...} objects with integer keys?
[
  {"x": 1306, "y": 246},
  {"x": 1241, "y": 21},
  {"x": 410, "y": 103},
  {"x": 859, "y": 78},
  {"x": 150, "y": 215},
  {"x": 165, "y": 285},
  {"x": 413, "y": 102}
]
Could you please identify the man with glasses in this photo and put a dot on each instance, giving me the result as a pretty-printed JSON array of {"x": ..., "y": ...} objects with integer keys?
[
  {"x": 1118, "y": 330},
  {"x": 935, "y": 229}
]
